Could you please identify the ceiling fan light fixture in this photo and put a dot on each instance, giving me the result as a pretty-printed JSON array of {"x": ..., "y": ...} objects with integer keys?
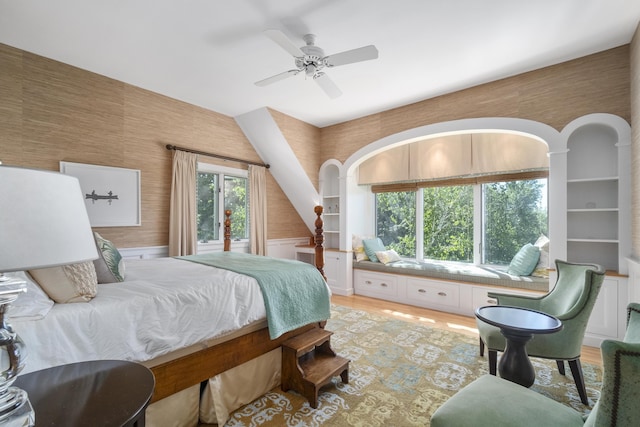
[{"x": 311, "y": 59}]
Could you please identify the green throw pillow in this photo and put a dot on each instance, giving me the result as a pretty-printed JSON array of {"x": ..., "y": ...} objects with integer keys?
[
  {"x": 109, "y": 265},
  {"x": 525, "y": 261},
  {"x": 371, "y": 246}
]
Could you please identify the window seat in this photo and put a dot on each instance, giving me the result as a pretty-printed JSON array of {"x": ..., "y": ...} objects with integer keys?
[{"x": 456, "y": 271}]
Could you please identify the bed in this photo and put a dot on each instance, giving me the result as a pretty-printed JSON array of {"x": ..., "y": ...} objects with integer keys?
[{"x": 186, "y": 320}]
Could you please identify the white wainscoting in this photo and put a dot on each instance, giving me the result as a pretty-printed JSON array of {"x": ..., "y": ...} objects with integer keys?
[
  {"x": 277, "y": 248},
  {"x": 285, "y": 248},
  {"x": 144, "y": 252}
]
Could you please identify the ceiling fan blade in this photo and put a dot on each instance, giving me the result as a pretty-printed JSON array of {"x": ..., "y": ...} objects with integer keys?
[
  {"x": 283, "y": 41},
  {"x": 327, "y": 85},
  {"x": 350, "y": 56},
  {"x": 276, "y": 78}
]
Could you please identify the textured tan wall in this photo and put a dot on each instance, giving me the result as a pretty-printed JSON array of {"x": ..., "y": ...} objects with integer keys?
[
  {"x": 52, "y": 112},
  {"x": 635, "y": 142},
  {"x": 304, "y": 140},
  {"x": 554, "y": 95}
]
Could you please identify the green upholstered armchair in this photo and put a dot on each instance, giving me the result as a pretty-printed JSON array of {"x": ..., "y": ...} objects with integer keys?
[
  {"x": 493, "y": 401},
  {"x": 571, "y": 300}
]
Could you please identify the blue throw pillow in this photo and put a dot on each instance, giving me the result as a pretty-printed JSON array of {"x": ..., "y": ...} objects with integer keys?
[
  {"x": 371, "y": 246},
  {"x": 525, "y": 261}
]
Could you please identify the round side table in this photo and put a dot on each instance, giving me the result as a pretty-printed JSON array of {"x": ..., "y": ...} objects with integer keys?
[
  {"x": 96, "y": 393},
  {"x": 518, "y": 325}
]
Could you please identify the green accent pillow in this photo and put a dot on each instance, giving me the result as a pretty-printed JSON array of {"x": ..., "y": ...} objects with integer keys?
[
  {"x": 525, "y": 261},
  {"x": 371, "y": 246},
  {"x": 109, "y": 265}
]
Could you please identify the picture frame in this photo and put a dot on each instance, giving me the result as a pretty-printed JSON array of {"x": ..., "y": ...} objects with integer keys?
[{"x": 112, "y": 195}]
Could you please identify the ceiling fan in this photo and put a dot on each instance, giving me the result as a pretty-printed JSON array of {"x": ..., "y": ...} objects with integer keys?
[{"x": 311, "y": 60}]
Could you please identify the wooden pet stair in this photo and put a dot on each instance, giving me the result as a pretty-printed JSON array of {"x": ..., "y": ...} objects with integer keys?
[{"x": 308, "y": 363}]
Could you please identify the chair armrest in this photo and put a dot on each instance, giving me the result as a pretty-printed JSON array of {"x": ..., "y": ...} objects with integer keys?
[
  {"x": 524, "y": 301},
  {"x": 633, "y": 323}
]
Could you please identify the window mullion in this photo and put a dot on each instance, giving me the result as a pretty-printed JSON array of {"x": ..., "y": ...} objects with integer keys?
[
  {"x": 419, "y": 224},
  {"x": 478, "y": 240}
]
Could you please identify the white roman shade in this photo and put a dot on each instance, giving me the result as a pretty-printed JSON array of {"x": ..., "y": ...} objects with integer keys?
[
  {"x": 389, "y": 166},
  {"x": 505, "y": 152},
  {"x": 440, "y": 157},
  {"x": 455, "y": 157}
]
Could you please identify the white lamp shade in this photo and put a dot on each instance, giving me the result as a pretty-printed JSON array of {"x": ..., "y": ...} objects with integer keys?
[{"x": 43, "y": 220}]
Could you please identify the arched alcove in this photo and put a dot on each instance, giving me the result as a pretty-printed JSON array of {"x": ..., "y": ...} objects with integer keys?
[{"x": 358, "y": 205}]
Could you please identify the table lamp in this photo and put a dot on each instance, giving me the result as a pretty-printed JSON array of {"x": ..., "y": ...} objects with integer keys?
[{"x": 43, "y": 223}]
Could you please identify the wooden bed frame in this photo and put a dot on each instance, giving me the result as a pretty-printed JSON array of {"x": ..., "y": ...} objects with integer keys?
[{"x": 186, "y": 371}]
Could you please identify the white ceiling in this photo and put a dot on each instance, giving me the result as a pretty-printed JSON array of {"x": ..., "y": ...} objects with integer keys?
[{"x": 210, "y": 52}]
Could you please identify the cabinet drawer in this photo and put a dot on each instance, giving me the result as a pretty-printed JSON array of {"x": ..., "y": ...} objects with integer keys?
[
  {"x": 380, "y": 285},
  {"x": 431, "y": 293},
  {"x": 480, "y": 298}
]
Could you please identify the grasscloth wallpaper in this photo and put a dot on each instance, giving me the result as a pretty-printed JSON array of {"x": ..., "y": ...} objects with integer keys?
[
  {"x": 50, "y": 111},
  {"x": 554, "y": 95}
]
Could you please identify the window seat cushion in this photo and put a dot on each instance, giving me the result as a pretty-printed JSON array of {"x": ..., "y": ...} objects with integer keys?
[{"x": 457, "y": 271}]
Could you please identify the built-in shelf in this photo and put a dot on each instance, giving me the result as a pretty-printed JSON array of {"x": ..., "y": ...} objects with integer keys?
[
  {"x": 606, "y": 178},
  {"x": 594, "y": 210},
  {"x": 595, "y": 196},
  {"x": 592, "y": 240}
]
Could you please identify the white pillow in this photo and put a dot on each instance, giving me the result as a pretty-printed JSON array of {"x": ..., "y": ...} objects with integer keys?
[
  {"x": 31, "y": 305},
  {"x": 387, "y": 256},
  {"x": 358, "y": 247}
]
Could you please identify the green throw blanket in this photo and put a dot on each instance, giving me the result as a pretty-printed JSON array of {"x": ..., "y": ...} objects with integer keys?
[{"x": 294, "y": 292}]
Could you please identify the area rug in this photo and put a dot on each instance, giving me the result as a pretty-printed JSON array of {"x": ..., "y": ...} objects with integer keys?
[{"x": 399, "y": 374}]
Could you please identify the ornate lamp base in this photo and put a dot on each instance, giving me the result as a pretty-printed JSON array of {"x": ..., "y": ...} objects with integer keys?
[
  {"x": 21, "y": 413},
  {"x": 15, "y": 408}
]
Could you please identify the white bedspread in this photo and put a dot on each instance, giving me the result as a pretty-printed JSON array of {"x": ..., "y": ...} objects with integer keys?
[{"x": 163, "y": 305}]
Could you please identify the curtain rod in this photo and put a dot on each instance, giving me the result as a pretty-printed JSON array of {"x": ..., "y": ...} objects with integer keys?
[{"x": 204, "y": 153}]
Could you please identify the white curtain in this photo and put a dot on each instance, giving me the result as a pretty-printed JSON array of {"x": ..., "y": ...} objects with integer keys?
[
  {"x": 183, "y": 233},
  {"x": 258, "y": 209}
]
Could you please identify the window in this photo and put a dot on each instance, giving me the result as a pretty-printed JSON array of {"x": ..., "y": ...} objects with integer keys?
[
  {"x": 482, "y": 223},
  {"x": 514, "y": 213},
  {"x": 219, "y": 189},
  {"x": 396, "y": 221},
  {"x": 448, "y": 223}
]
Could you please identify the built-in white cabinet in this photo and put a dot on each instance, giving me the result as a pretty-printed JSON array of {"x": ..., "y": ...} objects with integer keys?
[
  {"x": 598, "y": 191},
  {"x": 337, "y": 262},
  {"x": 330, "y": 193},
  {"x": 463, "y": 298}
]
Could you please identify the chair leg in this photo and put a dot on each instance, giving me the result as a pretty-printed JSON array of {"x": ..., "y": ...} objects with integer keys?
[
  {"x": 560, "y": 364},
  {"x": 481, "y": 347},
  {"x": 493, "y": 361},
  {"x": 578, "y": 377}
]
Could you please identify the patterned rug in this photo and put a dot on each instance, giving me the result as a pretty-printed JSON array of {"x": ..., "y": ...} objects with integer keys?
[{"x": 399, "y": 374}]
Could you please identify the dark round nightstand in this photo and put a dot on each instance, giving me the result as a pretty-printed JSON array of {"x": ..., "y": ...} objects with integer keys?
[{"x": 96, "y": 393}]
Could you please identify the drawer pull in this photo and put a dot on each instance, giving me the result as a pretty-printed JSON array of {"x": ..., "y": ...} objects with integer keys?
[
  {"x": 492, "y": 301},
  {"x": 384, "y": 285},
  {"x": 442, "y": 294},
  {"x": 422, "y": 291},
  {"x": 367, "y": 282}
]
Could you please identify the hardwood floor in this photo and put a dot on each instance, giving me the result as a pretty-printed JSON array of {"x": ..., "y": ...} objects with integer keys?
[{"x": 438, "y": 319}]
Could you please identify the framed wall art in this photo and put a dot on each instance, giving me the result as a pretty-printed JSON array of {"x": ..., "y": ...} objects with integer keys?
[{"x": 112, "y": 195}]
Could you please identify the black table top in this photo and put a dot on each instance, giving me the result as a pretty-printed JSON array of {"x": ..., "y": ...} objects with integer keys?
[
  {"x": 95, "y": 393},
  {"x": 518, "y": 319}
]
